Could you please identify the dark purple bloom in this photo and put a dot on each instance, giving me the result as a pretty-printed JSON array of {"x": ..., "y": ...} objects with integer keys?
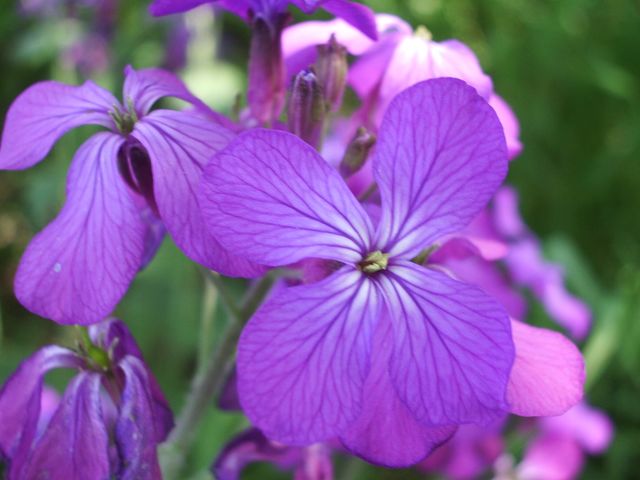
[
  {"x": 384, "y": 354},
  {"x": 308, "y": 463},
  {"x": 108, "y": 423},
  {"x": 121, "y": 185}
]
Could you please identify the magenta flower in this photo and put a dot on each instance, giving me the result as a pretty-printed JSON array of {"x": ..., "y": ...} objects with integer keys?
[
  {"x": 123, "y": 185},
  {"x": 107, "y": 424},
  {"x": 384, "y": 354}
]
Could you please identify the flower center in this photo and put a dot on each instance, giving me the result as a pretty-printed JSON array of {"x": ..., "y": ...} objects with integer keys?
[
  {"x": 124, "y": 119},
  {"x": 374, "y": 262}
]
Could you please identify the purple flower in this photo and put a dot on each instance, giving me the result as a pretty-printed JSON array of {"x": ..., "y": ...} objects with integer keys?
[
  {"x": 559, "y": 450},
  {"x": 107, "y": 424},
  {"x": 384, "y": 354},
  {"x": 122, "y": 185},
  {"x": 308, "y": 463}
]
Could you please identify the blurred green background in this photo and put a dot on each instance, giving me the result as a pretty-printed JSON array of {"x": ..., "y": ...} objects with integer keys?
[{"x": 570, "y": 69}]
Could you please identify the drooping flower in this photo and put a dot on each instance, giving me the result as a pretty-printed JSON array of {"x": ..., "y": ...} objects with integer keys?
[
  {"x": 308, "y": 463},
  {"x": 384, "y": 354},
  {"x": 123, "y": 185},
  {"x": 108, "y": 423},
  {"x": 267, "y": 85}
]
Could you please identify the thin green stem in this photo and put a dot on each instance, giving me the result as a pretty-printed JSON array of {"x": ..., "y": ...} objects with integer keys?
[
  {"x": 209, "y": 301},
  {"x": 210, "y": 378}
]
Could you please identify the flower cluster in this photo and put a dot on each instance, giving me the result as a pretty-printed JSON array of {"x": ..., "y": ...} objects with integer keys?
[{"x": 400, "y": 326}]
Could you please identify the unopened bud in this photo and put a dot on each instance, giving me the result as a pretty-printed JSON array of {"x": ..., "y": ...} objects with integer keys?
[
  {"x": 307, "y": 109},
  {"x": 357, "y": 152},
  {"x": 331, "y": 68}
]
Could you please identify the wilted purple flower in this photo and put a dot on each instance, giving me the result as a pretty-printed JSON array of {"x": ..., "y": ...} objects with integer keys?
[
  {"x": 559, "y": 450},
  {"x": 121, "y": 185},
  {"x": 266, "y": 93},
  {"x": 384, "y": 354},
  {"x": 308, "y": 463},
  {"x": 108, "y": 423}
]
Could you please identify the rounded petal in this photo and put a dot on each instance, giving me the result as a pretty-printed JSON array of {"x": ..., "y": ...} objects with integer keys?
[
  {"x": 270, "y": 197},
  {"x": 45, "y": 112},
  {"x": 452, "y": 347},
  {"x": 179, "y": 146},
  {"x": 304, "y": 356},
  {"x": 78, "y": 268},
  {"x": 510, "y": 124},
  {"x": 386, "y": 432},
  {"x": 548, "y": 373},
  {"x": 440, "y": 157},
  {"x": 551, "y": 457}
]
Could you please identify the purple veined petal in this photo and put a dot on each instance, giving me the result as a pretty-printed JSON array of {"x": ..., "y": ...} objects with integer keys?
[
  {"x": 45, "y": 112},
  {"x": 270, "y": 197},
  {"x": 386, "y": 432},
  {"x": 21, "y": 398},
  {"x": 155, "y": 235},
  {"x": 114, "y": 335},
  {"x": 167, "y": 7},
  {"x": 136, "y": 432},
  {"x": 145, "y": 87},
  {"x": 180, "y": 145},
  {"x": 439, "y": 158},
  {"x": 76, "y": 270},
  {"x": 356, "y": 14},
  {"x": 304, "y": 356},
  {"x": 252, "y": 446},
  {"x": 509, "y": 123},
  {"x": 548, "y": 373},
  {"x": 551, "y": 457},
  {"x": 452, "y": 347},
  {"x": 590, "y": 427},
  {"x": 75, "y": 444}
]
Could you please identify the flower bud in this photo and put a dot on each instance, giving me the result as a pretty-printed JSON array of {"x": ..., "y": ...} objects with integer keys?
[
  {"x": 307, "y": 108},
  {"x": 331, "y": 68},
  {"x": 357, "y": 152}
]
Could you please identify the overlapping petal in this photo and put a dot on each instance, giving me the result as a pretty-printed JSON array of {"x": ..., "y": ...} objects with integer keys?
[
  {"x": 45, "y": 112},
  {"x": 548, "y": 373},
  {"x": 168, "y": 7},
  {"x": 435, "y": 176},
  {"x": 305, "y": 355},
  {"x": 356, "y": 14},
  {"x": 75, "y": 444},
  {"x": 77, "y": 269},
  {"x": 179, "y": 146},
  {"x": 386, "y": 431},
  {"x": 453, "y": 349},
  {"x": 270, "y": 197}
]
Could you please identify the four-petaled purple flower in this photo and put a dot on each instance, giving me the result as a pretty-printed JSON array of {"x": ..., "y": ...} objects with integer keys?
[
  {"x": 385, "y": 354},
  {"x": 108, "y": 423},
  {"x": 123, "y": 187}
]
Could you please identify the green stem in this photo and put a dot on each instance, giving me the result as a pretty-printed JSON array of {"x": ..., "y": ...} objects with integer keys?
[
  {"x": 210, "y": 378},
  {"x": 209, "y": 302}
]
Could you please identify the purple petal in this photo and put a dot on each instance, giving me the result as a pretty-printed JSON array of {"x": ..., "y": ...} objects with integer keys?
[
  {"x": 356, "y": 14},
  {"x": 416, "y": 59},
  {"x": 304, "y": 356},
  {"x": 179, "y": 146},
  {"x": 145, "y": 87},
  {"x": 136, "y": 430},
  {"x": 167, "y": 7},
  {"x": 548, "y": 373},
  {"x": 386, "y": 432},
  {"x": 270, "y": 197},
  {"x": 590, "y": 427},
  {"x": 77, "y": 269},
  {"x": 506, "y": 213},
  {"x": 509, "y": 123},
  {"x": 252, "y": 446},
  {"x": 45, "y": 112},
  {"x": 551, "y": 457},
  {"x": 21, "y": 396},
  {"x": 75, "y": 444},
  {"x": 113, "y": 335},
  {"x": 316, "y": 463},
  {"x": 440, "y": 157},
  {"x": 452, "y": 347}
]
